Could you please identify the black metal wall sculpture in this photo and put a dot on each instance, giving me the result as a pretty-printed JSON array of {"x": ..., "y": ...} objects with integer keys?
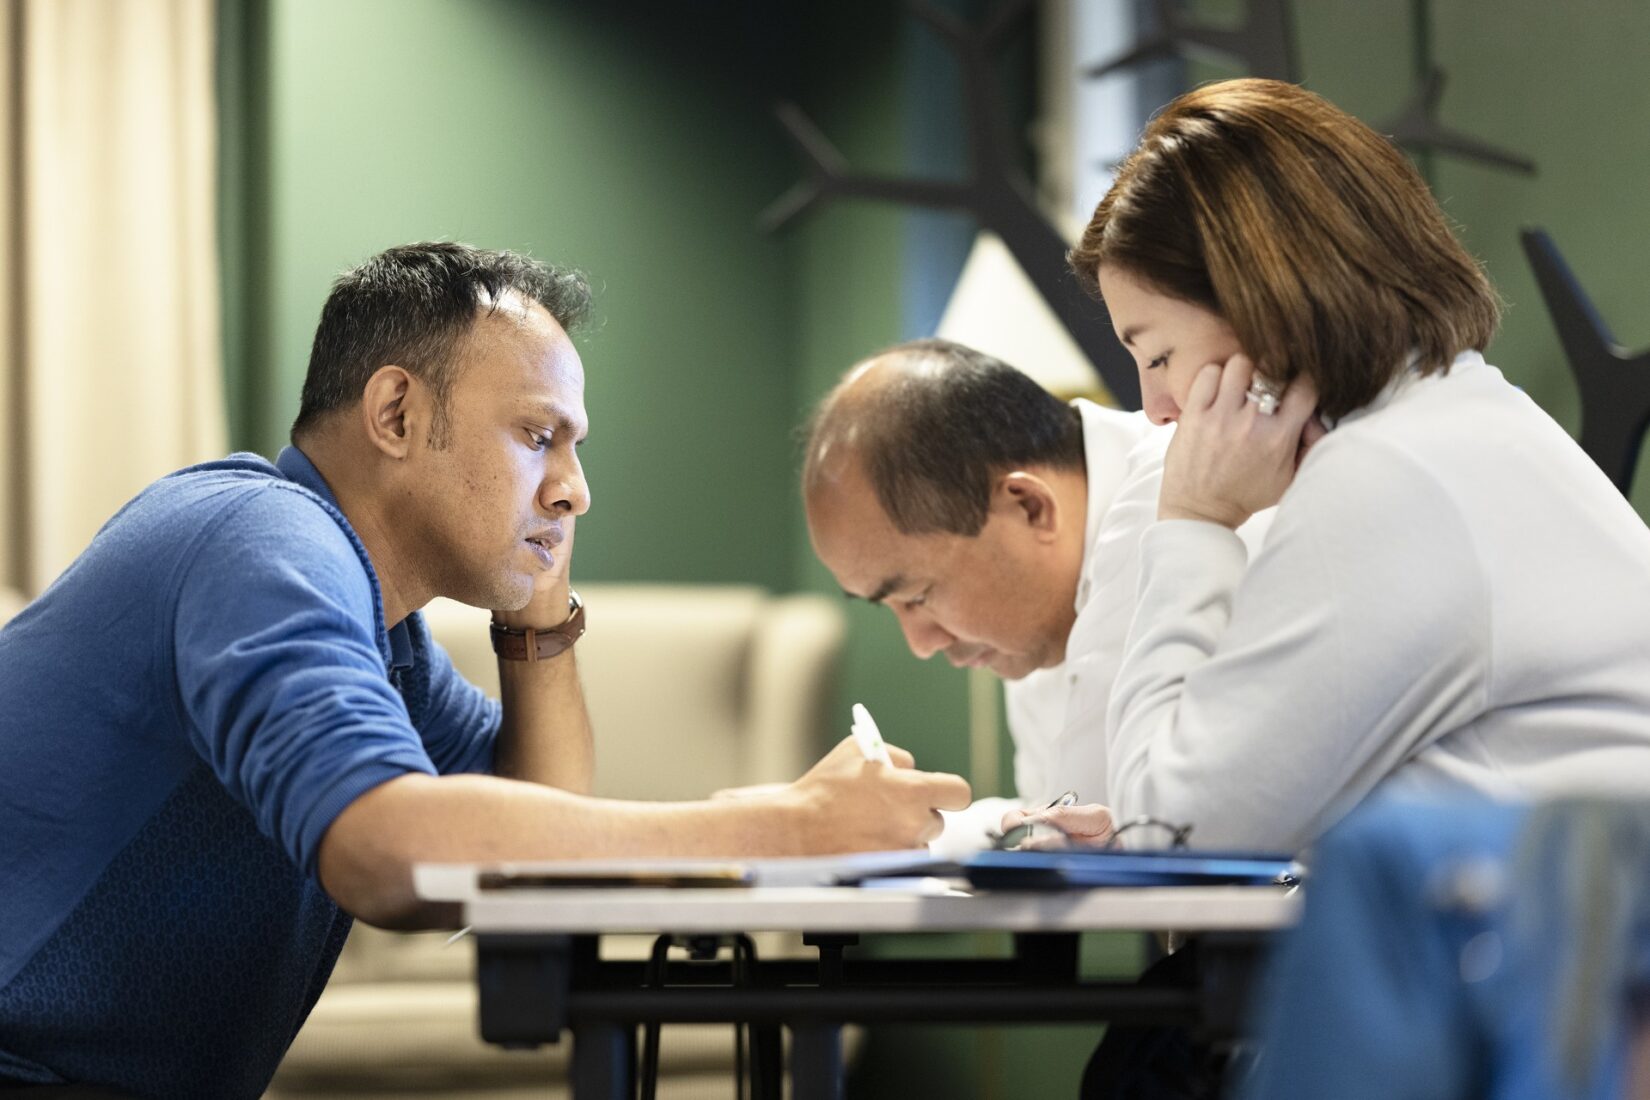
[
  {"x": 996, "y": 192},
  {"x": 1000, "y": 197},
  {"x": 1262, "y": 45},
  {"x": 1417, "y": 128},
  {"x": 1614, "y": 382}
]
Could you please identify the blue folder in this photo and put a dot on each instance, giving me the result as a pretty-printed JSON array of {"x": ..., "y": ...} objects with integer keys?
[{"x": 1067, "y": 870}]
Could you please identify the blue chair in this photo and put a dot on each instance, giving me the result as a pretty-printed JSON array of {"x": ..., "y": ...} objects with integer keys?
[{"x": 1463, "y": 950}]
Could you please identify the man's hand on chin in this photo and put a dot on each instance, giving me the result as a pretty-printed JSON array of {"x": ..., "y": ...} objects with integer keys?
[{"x": 548, "y": 605}]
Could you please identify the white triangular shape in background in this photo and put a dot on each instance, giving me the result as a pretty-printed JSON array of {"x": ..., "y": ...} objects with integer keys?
[{"x": 995, "y": 309}]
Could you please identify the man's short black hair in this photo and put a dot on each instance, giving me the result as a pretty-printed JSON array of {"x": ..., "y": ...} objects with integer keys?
[
  {"x": 410, "y": 306},
  {"x": 938, "y": 432}
]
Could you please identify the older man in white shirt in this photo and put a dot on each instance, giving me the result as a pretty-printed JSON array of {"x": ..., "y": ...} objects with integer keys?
[{"x": 1002, "y": 528}]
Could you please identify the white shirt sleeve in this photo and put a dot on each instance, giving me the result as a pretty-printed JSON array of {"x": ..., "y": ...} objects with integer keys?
[
  {"x": 971, "y": 830},
  {"x": 1094, "y": 653},
  {"x": 1258, "y": 706}
]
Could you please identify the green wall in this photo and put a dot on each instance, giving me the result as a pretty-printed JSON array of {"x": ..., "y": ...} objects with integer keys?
[
  {"x": 587, "y": 139},
  {"x": 1567, "y": 86}
]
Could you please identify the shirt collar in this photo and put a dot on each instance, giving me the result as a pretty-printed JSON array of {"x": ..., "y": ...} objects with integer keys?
[
  {"x": 295, "y": 466},
  {"x": 1109, "y": 441}
]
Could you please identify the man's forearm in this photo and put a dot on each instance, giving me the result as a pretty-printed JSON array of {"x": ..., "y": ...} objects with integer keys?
[
  {"x": 844, "y": 803},
  {"x": 546, "y": 734},
  {"x": 367, "y": 854}
]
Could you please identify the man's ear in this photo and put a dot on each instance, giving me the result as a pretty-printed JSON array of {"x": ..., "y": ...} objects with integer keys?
[
  {"x": 1031, "y": 501},
  {"x": 386, "y": 411}
]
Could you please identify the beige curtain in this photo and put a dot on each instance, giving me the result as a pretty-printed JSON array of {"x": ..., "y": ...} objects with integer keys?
[{"x": 111, "y": 373}]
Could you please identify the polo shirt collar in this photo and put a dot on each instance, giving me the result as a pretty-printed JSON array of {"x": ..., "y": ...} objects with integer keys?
[
  {"x": 295, "y": 466},
  {"x": 1108, "y": 441}
]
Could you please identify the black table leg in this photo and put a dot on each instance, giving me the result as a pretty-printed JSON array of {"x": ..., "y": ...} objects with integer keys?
[
  {"x": 1229, "y": 966},
  {"x": 816, "y": 1062},
  {"x": 523, "y": 982},
  {"x": 604, "y": 1061},
  {"x": 767, "y": 1062},
  {"x": 1047, "y": 958}
]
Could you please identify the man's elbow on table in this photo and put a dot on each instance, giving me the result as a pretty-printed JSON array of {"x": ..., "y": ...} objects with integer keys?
[{"x": 367, "y": 856}]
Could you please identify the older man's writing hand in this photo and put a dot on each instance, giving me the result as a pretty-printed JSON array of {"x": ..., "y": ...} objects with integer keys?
[{"x": 1088, "y": 826}]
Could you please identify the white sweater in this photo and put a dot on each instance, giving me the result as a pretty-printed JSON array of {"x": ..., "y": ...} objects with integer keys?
[{"x": 1452, "y": 595}]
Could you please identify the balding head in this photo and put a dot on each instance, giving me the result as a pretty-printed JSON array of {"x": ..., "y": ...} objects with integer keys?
[
  {"x": 929, "y": 424},
  {"x": 950, "y": 489}
]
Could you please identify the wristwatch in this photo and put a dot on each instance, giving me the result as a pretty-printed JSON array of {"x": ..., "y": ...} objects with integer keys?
[{"x": 541, "y": 645}]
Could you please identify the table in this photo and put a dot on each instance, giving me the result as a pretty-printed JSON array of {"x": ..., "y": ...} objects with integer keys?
[{"x": 539, "y": 971}]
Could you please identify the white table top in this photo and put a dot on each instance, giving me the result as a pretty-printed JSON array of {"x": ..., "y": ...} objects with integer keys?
[{"x": 915, "y": 906}]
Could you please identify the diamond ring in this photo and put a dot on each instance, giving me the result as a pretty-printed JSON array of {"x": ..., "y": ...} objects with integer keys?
[{"x": 1263, "y": 395}]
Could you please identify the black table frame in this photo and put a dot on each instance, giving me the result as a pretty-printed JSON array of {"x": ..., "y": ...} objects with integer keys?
[{"x": 533, "y": 987}]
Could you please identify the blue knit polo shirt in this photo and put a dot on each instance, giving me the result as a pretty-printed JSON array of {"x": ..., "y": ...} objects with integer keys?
[{"x": 182, "y": 715}]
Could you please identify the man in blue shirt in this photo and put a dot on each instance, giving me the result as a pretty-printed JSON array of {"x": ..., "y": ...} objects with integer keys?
[{"x": 226, "y": 731}]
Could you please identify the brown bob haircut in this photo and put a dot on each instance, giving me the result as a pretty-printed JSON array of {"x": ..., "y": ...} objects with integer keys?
[{"x": 1308, "y": 232}]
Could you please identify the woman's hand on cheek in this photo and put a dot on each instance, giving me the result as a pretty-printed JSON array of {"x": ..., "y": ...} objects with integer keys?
[{"x": 1227, "y": 460}]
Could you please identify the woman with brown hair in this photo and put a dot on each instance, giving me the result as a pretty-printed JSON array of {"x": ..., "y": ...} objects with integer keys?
[{"x": 1452, "y": 595}]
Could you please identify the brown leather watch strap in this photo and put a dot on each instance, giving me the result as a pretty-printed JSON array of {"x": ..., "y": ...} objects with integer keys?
[{"x": 541, "y": 645}]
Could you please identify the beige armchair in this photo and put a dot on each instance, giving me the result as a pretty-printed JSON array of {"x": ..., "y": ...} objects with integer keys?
[{"x": 690, "y": 689}]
